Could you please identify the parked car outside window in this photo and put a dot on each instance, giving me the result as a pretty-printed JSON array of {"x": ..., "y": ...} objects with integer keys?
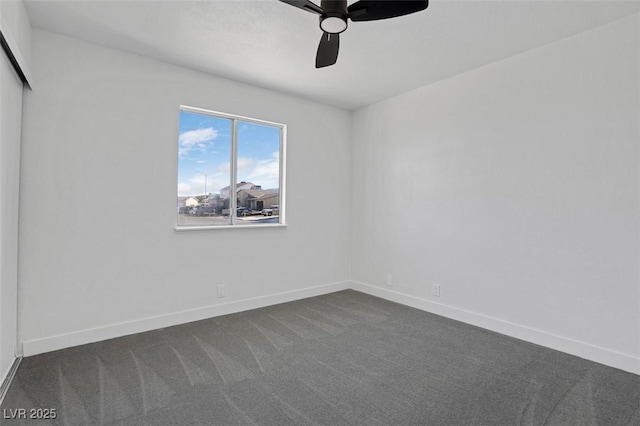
[{"x": 270, "y": 211}]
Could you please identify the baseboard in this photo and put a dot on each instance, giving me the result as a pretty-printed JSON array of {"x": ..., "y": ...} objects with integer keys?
[
  {"x": 601, "y": 355},
  {"x": 584, "y": 350},
  {"x": 8, "y": 378},
  {"x": 81, "y": 337}
]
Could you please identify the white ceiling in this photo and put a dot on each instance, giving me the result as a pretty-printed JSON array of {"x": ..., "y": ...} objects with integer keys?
[{"x": 271, "y": 44}]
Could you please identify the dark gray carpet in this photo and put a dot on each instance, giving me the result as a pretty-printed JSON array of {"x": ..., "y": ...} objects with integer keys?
[{"x": 340, "y": 359}]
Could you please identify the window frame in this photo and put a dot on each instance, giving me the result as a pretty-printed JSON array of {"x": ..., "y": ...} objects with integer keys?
[{"x": 234, "y": 168}]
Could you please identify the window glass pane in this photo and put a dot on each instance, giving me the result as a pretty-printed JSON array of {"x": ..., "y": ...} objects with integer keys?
[
  {"x": 204, "y": 170},
  {"x": 258, "y": 173}
]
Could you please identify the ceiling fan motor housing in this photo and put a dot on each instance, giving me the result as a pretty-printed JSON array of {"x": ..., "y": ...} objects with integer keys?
[{"x": 334, "y": 17}]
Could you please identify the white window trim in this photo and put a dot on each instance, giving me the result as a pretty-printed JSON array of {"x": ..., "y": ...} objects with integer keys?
[
  {"x": 234, "y": 165},
  {"x": 185, "y": 228}
]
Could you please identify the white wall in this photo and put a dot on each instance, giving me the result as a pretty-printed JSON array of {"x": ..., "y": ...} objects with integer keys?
[
  {"x": 516, "y": 188},
  {"x": 97, "y": 240}
]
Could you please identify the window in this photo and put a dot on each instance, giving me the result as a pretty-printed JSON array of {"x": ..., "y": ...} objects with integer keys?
[{"x": 230, "y": 170}]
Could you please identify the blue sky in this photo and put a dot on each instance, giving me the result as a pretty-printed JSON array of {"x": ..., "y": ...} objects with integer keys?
[{"x": 204, "y": 150}]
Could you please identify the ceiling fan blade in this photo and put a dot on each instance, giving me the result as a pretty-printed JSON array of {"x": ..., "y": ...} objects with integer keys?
[
  {"x": 371, "y": 10},
  {"x": 304, "y": 5},
  {"x": 328, "y": 50}
]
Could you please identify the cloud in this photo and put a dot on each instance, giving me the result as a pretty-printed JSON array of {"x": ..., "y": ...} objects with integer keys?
[
  {"x": 245, "y": 165},
  {"x": 213, "y": 182},
  {"x": 263, "y": 172},
  {"x": 198, "y": 139},
  {"x": 184, "y": 190}
]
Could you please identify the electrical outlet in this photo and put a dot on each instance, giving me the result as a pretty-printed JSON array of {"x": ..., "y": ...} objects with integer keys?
[
  {"x": 222, "y": 290},
  {"x": 389, "y": 280},
  {"x": 435, "y": 290}
]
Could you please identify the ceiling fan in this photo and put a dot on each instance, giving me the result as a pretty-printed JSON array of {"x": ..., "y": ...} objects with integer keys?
[{"x": 334, "y": 14}]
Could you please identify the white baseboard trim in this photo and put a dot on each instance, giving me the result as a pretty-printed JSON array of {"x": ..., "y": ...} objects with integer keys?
[
  {"x": 598, "y": 354},
  {"x": 584, "y": 350},
  {"x": 81, "y": 337}
]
